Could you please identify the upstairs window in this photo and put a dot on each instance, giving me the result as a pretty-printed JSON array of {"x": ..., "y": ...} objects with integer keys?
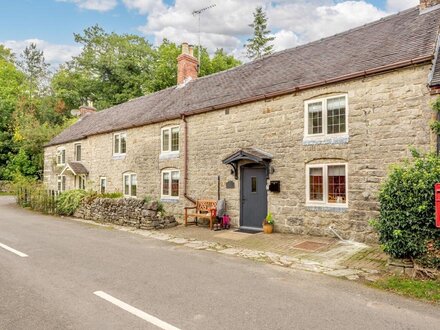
[
  {"x": 327, "y": 185},
  {"x": 61, "y": 156},
  {"x": 130, "y": 185},
  {"x": 77, "y": 152},
  {"x": 119, "y": 144},
  {"x": 170, "y": 184},
  {"x": 326, "y": 116},
  {"x": 170, "y": 139}
]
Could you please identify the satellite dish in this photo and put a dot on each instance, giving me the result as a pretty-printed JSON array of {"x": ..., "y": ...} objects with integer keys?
[{"x": 75, "y": 112}]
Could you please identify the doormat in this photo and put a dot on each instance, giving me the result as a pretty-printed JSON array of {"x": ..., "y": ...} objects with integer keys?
[
  {"x": 247, "y": 231},
  {"x": 310, "y": 246}
]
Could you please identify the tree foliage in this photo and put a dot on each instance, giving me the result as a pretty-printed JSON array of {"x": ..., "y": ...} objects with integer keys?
[
  {"x": 259, "y": 45},
  {"x": 406, "y": 223},
  {"x": 112, "y": 68}
]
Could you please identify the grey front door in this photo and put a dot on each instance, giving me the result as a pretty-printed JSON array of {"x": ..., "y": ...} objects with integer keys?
[{"x": 253, "y": 197}]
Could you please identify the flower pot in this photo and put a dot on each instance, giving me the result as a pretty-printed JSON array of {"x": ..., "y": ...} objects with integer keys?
[{"x": 267, "y": 228}]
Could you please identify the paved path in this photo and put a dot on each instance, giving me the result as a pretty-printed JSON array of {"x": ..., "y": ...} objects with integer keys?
[{"x": 80, "y": 276}]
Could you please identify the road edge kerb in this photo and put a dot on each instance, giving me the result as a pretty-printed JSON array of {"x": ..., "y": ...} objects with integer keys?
[{"x": 256, "y": 255}]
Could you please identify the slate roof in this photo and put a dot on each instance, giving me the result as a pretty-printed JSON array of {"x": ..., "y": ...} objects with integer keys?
[
  {"x": 435, "y": 81},
  {"x": 394, "y": 41}
]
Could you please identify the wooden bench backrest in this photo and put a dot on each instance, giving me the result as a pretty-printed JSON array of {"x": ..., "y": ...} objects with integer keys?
[{"x": 204, "y": 205}]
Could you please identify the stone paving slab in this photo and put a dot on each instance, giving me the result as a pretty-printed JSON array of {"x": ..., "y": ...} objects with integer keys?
[{"x": 338, "y": 258}]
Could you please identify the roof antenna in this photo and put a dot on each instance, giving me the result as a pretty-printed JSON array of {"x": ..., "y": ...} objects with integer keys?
[{"x": 199, "y": 12}]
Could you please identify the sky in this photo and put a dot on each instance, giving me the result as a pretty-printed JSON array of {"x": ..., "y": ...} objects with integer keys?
[{"x": 51, "y": 23}]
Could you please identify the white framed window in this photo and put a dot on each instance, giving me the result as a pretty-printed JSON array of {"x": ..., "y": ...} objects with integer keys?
[
  {"x": 81, "y": 182},
  {"x": 326, "y": 116},
  {"x": 61, "y": 182},
  {"x": 61, "y": 156},
  {"x": 170, "y": 183},
  {"x": 326, "y": 184},
  {"x": 130, "y": 185},
  {"x": 170, "y": 139},
  {"x": 77, "y": 152},
  {"x": 102, "y": 185},
  {"x": 119, "y": 143}
]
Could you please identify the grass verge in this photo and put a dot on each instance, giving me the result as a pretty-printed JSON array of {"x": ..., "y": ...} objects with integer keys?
[
  {"x": 3, "y": 193},
  {"x": 428, "y": 290}
]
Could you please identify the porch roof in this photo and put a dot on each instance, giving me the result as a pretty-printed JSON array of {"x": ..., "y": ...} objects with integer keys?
[
  {"x": 76, "y": 168},
  {"x": 253, "y": 154}
]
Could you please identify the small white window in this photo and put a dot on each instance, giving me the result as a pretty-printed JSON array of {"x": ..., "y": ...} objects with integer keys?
[
  {"x": 170, "y": 184},
  {"x": 61, "y": 156},
  {"x": 327, "y": 184},
  {"x": 81, "y": 179},
  {"x": 326, "y": 116},
  {"x": 130, "y": 185},
  {"x": 170, "y": 139},
  {"x": 119, "y": 143},
  {"x": 61, "y": 182},
  {"x": 102, "y": 185},
  {"x": 77, "y": 152}
]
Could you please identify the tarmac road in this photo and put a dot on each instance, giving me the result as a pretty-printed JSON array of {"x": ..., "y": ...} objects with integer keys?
[{"x": 79, "y": 276}]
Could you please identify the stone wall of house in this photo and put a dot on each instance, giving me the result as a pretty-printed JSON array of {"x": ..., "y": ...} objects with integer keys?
[
  {"x": 125, "y": 212},
  {"x": 387, "y": 113}
]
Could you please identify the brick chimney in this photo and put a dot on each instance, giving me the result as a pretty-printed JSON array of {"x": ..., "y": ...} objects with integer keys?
[
  {"x": 86, "y": 109},
  {"x": 187, "y": 64},
  {"x": 426, "y": 4}
]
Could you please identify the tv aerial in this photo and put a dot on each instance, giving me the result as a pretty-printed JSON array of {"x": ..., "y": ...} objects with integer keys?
[{"x": 199, "y": 13}]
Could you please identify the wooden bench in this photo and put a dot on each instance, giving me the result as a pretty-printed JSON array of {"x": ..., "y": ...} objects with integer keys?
[{"x": 204, "y": 209}]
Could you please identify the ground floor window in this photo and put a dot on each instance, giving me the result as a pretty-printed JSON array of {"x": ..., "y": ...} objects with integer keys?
[
  {"x": 327, "y": 184},
  {"x": 81, "y": 180},
  {"x": 170, "y": 183},
  {"x": 130, "y": 184},
  {"x": 102, "y": 185},
  {"x": 61, "y": 182}
]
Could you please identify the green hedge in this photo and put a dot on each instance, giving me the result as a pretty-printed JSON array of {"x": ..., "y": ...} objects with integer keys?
[{"x": 406, "y": 224}]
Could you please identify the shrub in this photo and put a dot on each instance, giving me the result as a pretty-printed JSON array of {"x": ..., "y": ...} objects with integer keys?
[
  {"x": 69, "y": 201},
  {"x": 407, "y": 213},
  {"x": 111, "y": 195}
]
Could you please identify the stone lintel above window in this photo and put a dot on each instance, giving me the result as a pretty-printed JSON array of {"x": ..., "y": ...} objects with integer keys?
[{"x": 317, "y": 140}]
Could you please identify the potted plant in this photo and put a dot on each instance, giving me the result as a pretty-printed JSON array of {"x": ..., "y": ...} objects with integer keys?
[{"x": 268, "y": 224}]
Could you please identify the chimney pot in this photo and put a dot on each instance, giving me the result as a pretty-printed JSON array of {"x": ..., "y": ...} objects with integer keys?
[
  {"x": 185, "y": 48},
  {"x": 426, "y": 4}
]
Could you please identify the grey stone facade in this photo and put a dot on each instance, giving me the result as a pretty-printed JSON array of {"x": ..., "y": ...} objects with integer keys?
[{"x": 387, "y": 113}]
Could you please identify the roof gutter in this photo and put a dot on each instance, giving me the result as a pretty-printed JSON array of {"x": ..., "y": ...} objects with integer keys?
[{"x": 359, "y": 74}]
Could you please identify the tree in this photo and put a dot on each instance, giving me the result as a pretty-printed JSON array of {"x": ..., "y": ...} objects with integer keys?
[
  {"x": 165, "y": 66},
  {"x": 111, "y": 69},
  {"x": 258, "y": 46},
  {"x": 36, "y": 70},
  {"x": 11, "y": 87}
]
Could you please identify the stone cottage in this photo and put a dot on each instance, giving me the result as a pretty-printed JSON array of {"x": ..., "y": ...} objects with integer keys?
[{"x": 307, "y": 133}]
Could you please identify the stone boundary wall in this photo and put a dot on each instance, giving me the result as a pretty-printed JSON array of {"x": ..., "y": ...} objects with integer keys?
[{"x": 125, "y": 212}]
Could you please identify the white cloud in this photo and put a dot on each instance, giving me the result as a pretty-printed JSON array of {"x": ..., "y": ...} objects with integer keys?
[
  {"x": 144, "y": 6},
  {"x": 398, "y": 5},
  {"x": 285, "y": 39},
  {"x": 226, "y": 25},
  {"x": 55, "y": 54},
  {"x": 98, "y": 5}
]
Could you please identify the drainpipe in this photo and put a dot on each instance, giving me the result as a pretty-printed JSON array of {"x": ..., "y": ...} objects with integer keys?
[{"x": 185, "y": 165}]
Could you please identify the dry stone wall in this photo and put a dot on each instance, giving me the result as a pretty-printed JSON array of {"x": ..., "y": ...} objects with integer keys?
[{"x": 125, "y": 212}]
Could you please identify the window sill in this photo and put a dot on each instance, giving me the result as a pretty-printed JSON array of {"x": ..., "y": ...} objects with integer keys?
[
  {"x": 169, "y": 200},
  {"x": 315, "y": 140},
  {"x": 118, "y": 156},
  {"x": 326, "y": 208},
  {"x": 169, "y": 155}
]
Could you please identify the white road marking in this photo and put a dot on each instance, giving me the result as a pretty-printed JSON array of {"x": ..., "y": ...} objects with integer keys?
[
  {"x": 21, "y": 254},
  {"x": 133, "y": 310}
]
